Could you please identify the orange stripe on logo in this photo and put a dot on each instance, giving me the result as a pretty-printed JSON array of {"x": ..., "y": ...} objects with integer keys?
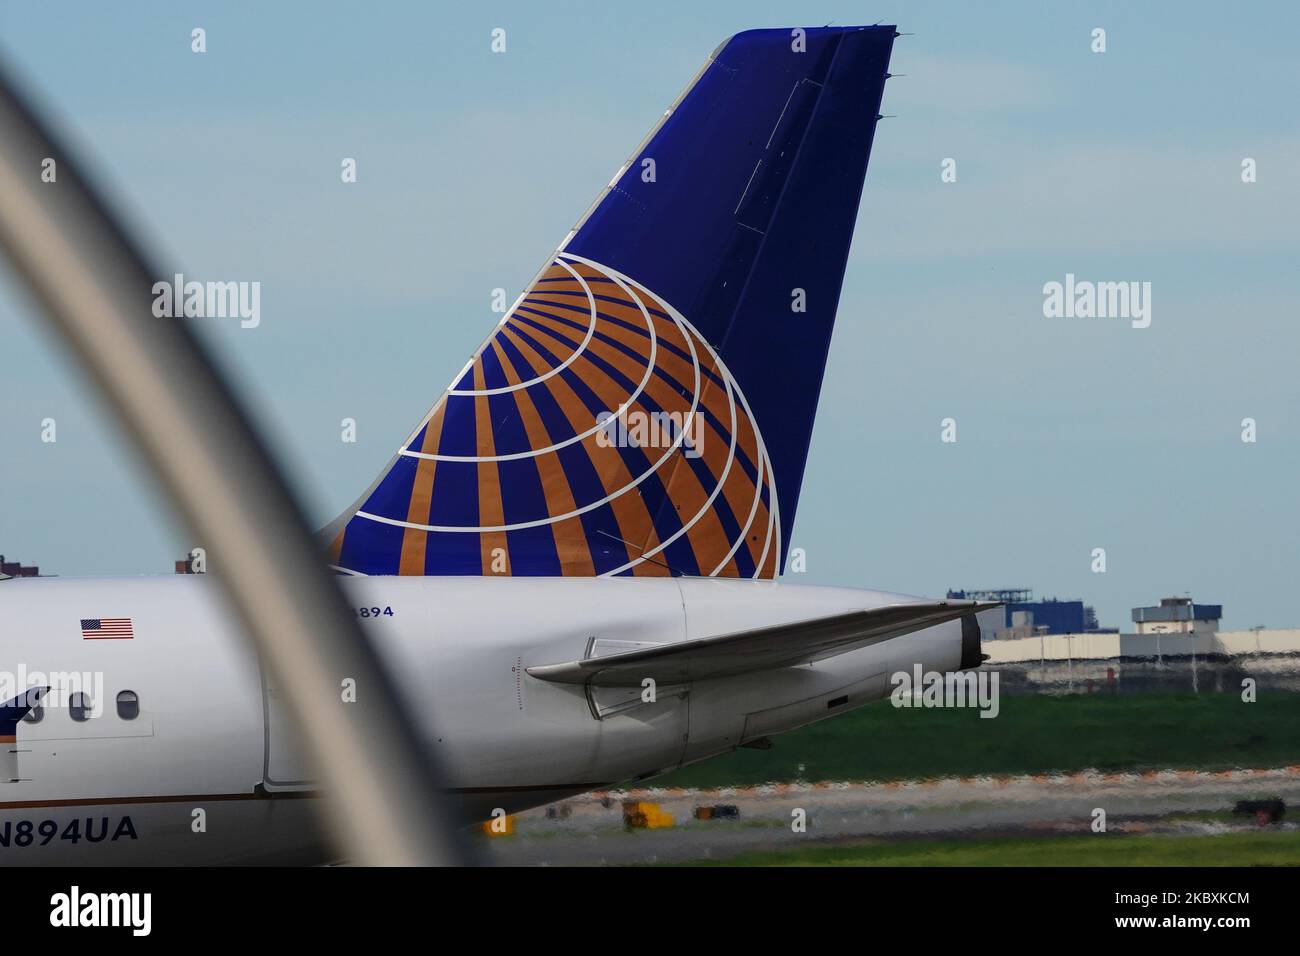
[
  {"x": 414, "y": 541},
  {"x": 630, "y": 511},
  {"x": 491, "y": 512},
  {"x": 570, "y": 538}
]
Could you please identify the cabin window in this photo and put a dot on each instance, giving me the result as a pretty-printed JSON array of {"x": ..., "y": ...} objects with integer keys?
[
  {"x": 128, "y": 705},
  {"x": 79, "y": 707}
]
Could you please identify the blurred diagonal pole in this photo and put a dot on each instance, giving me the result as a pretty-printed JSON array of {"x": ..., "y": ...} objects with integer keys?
[{"x": 379, "y": 780}]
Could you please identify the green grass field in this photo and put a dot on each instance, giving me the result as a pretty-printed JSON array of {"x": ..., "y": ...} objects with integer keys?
[
  {"x": 1273, "y": 848},
  {"x": 1032, "y": 734}
]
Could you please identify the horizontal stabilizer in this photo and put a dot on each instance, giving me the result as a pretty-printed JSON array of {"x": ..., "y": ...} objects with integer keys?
[{"x": 782, "y": 645}]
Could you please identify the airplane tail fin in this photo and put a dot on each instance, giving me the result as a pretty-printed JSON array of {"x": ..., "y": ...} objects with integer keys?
[{"x": 645, "y": 407}]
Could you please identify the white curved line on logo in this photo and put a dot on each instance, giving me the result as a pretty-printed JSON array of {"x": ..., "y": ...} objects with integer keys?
[
  {"x": 773, "y": 523},
  {"x": 731, "y": 456},
  {"x": 535, "y": 452},
  {"x": 764, "y": 464},
  {"x": 753, "y": 510},
  {"x": 733, "y": 389},
  {"x": 695, "y": 401},
  {"x": 731, "y": 383},
  {"x": 591, "y": 330}
]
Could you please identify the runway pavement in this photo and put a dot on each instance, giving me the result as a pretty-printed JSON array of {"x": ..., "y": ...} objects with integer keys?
[{"x": 589, "y": 830}]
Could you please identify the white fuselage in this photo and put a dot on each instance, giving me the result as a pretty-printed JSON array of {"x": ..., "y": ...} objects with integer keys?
[{"x": 209, "y": 772}]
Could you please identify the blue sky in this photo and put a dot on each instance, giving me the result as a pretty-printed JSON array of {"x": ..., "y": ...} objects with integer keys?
[{"x": 1072, "y": 434}]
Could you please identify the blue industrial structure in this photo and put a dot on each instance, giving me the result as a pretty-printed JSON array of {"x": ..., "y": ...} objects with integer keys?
[{"x": 1058, "y": 617}]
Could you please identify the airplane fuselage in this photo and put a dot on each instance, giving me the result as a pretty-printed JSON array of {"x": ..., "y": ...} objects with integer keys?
[{"x": 181, "y": 751}]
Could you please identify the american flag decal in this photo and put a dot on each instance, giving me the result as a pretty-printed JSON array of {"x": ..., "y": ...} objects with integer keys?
[{"x": 106, "y": 628}]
